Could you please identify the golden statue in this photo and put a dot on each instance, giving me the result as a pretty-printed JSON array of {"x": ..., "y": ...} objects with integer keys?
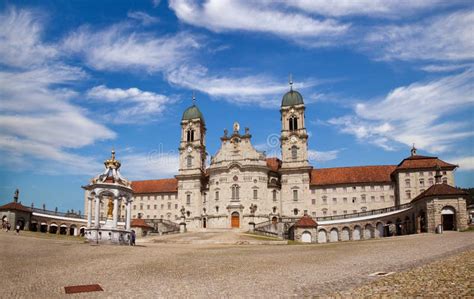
[{"x": 110, "y": 209}]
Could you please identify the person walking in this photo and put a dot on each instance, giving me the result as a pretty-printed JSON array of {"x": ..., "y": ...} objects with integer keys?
[
  {"x": 17, "y": 228},
  {"x": 132, "y": 238},
  {"x": 8, "y": 226}
]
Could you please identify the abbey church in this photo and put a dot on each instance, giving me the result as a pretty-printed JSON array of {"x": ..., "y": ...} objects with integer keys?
[{"x": 242, "y": 187}]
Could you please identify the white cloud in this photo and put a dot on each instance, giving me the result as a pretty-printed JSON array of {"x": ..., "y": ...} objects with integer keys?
[
  {"x": 130, "y": 105},
  {"x": 260, "y": 16},
  {"x": 118, "y": 47},
  {"x": 142, "y": 17},
  {"x": 465, "y": 163},
  {"x": 20, "y": 39},
  {"x": 369, "y": 8},
  {"x": 442, "y": 38},
  {"x": 322, "y": 156},
  {"x": 259, "y": 90},
  {"x": 152, "y": 165},
  {"x": 441, "y": 68},
  {"x": 40, "y": 126},
  {"x": 415, "y": 114}
]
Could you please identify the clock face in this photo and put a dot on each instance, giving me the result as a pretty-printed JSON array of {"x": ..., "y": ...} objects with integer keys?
[
  {"x": 190, "y": 149},
  {"x": 293, "y": 139}
]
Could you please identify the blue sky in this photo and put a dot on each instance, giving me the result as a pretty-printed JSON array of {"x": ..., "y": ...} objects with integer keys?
[{"x": 80, "y": 77}]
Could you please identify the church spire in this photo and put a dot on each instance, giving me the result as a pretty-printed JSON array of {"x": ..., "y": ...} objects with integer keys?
[{"x": 290, "y": 81}]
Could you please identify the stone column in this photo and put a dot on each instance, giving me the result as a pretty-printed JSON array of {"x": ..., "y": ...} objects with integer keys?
[
  {"x": 89, "y": 212},
  {"x": 115, "y": 212},
  {"x": 97, "y": 211},
  {"x": 128, "y": 221}
]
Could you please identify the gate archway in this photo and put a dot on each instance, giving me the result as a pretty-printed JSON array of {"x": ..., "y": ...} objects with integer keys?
[{"x": 448, "y": 218}]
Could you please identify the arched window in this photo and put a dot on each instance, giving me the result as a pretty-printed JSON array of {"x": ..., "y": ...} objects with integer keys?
[
  {"x": 274, "y": 192},
  {"x": 407, "y": 183},
  {"x": 190, "y": 135},
  {"x": 295, "y": 211},
  {"x": 294, "y": 152},
  {"x": 235, "y": 192},
  {"x": 189, "y": 161},
  {"x": 293, "y": 123},
  {"x": 295, "y": 195}
]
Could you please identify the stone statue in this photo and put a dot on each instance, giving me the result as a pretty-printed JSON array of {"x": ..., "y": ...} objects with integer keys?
[
  {"x": 183, "y": 211},
  {"x": 225, "y": 132},
  {"x": 236, "y": 127},
  {"x": 110, "y": 208},
  {"x": 16, "y": 195}
]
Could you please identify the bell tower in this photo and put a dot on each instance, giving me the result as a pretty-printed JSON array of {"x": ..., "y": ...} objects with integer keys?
[
  {"x": 295, "y": 169},
  {"x": 294, "y": 138},
  {"x": 192, "y": 163},
  {"x": 192, "y": 147}
]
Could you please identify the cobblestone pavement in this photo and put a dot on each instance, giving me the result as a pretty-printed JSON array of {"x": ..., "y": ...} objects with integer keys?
[
  {"x": 452, "y": 276},
  {"x": 41, "y": 268}
]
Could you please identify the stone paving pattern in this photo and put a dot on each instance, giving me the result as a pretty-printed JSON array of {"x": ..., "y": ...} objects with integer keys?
[
  {"x": 450, "y": 277},
  {"x": 40, "y": 268}
]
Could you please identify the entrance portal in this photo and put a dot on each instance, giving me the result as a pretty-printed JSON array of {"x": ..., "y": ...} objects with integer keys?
[
  {"x": 448, "y": 218},
  {"x": 235, "y": 220}
]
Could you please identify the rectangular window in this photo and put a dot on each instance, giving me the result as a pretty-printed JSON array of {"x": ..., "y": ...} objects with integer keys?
[
  {"x": 217, "y": 195},
  {"x": 274, "y": 192},
  {"x": 344, "y": 200},
  {"x": 344, "y": 212},
  {"x": 334, "y": 212},
  {"x": 422, "y": 182},
  {"x": 148, "y": 207},
  {"x": 325, "y": 200},
  {"x": 141, "y": 206},
  {"x": 176, "y": 206},
  {"x": 408, "y": 194},
  {"x": 295, "y": 194},
  {"x": 313, "y": 201},
  {"x": 372, "y": 198},
  {"x": 255, "y": 193},
  {"x": 362, "y": 198},
  {"x": 382, "y": 198},
  {"x": 188, "y": 199},
  {"x": 169, "y": 206},
  {"x": 155, "y": 206},
  {"x": 334, "y": 200}
]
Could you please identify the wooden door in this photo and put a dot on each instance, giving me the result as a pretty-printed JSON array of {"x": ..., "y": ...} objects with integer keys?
[{"x": 235, "y": 220}]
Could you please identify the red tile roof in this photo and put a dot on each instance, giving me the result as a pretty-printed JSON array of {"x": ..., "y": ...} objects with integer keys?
[
  {"x": 155, "y": 186},
  {"x": 306, "y": 221},
  {"x": 422, "y": 162},
  {"x": 351, "y": 175},
  {"x": 15, "y": 206},
  {"x": 441, "y": 190},
  {"x": 140, "y": 223},
  {"x": 274, "y": 164}
]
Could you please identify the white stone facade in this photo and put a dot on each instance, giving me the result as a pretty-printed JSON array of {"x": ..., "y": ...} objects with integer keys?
[{"x": 242, "y": 186}]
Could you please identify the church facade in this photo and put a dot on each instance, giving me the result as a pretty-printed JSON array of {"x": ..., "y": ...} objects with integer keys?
[{"x": 242, "y": 187}]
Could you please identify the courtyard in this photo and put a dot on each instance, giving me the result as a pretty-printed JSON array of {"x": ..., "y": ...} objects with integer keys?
[{"x": 41, "y": 267}]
